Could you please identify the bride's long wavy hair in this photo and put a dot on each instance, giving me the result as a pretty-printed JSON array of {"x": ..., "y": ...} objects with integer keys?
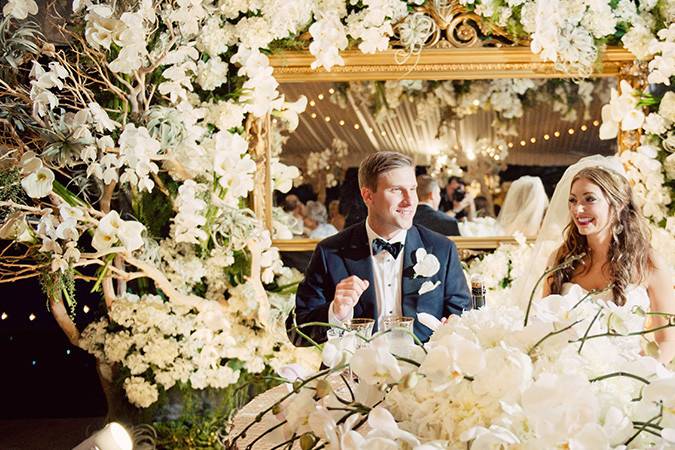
[{"x": 629, "y": 257}]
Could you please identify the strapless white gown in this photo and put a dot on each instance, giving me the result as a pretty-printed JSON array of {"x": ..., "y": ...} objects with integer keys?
[{"x": 626, "y": 320}]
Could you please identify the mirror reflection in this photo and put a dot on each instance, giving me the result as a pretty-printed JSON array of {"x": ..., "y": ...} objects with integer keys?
[{"x": 488, "y": 152}]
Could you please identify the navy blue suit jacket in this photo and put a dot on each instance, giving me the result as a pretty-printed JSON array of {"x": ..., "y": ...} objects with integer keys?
[
  {"x": 437, "y": 221},
  {"x": 347, "y": 253}
]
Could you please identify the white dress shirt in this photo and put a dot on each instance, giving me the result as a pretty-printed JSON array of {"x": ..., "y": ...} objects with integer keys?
[{"x": 387, "y": 276}]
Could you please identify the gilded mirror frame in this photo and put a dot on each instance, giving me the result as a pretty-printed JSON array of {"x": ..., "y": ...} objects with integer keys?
[{"x": 455, "y": 51}]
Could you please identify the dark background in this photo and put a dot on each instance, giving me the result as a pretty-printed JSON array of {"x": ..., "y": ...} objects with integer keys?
[{"x": 42, "y": 375}]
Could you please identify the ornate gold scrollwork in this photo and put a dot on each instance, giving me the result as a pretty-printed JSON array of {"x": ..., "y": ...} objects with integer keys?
[
  {"x": 447, "y": 24},
  {"x": 636, "y": 75}
]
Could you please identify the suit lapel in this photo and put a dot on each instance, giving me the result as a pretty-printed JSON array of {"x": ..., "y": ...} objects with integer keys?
[
  {"x": 357, "y": 261},
  {"x": 410, "y": 285}
]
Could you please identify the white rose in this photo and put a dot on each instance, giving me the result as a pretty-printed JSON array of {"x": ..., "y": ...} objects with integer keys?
[
  {"x": 655, "y": 124},
  {"x": 667, "y": 106},
  {"x": 669, "y": 165}
]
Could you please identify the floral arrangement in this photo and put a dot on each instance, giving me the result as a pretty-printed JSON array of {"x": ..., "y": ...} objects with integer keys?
[
  {"x": 498, "y": 270},
  {"x": 566, "y": 372}
]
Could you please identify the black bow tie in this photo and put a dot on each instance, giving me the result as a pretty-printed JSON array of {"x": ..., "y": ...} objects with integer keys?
[{"x": 394, "y": 248}]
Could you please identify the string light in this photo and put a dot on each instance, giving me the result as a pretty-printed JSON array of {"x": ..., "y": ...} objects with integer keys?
[
  {"x": 547, "y": 137},
  {"x": 312, "y": 103},
  {"x": 313, "y": 115},
  {"x": 342, "y": 122},
  {"x": 596, "y": 123},
  {"x": 522, "y": 143},
  {"x": 357, "y": 126},
  {"x": 510, "y": 144},
  {"x": 327, "y": 118},
  {"x": 85, "y": 308},
  {"x": 533, "y": 140},
  {"x": 4, "y": 316},
  {"x": 31, "y": 317},
  {"x": 320, "y": 96},
  {"x": 383, "y": 133},
  {"x": 556, "y": 134},
  {"x": 571, "y": 131},
  {"x": 67, "y": 351},
  {"x": 331, "y": 91},
  {"x": 584, "y": 127}
]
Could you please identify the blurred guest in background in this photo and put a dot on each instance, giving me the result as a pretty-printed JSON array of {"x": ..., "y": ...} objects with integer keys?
[
  {"x": 482, "y": 207},
  {"x": 335, "y": 218},
  {"x": 524, "y": 207},
  {"x": 457, "y": 202},
  {"x": 316, "y": 219},
  {"x": 427, "y": 214}
]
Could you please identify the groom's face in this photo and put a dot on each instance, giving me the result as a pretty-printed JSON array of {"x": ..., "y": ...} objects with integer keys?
[{"x": 391, "y": 207}]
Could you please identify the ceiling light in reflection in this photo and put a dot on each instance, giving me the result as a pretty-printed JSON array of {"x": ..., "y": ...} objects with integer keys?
[{"x": 470, "y": 154}]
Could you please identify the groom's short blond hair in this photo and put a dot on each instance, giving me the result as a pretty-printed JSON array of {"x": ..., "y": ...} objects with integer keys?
[{"x": 380, "y": 162}]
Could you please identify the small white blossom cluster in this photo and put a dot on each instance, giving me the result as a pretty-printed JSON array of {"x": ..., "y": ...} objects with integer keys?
[
  {"x": 42, "y": 81},
  {"x": 128, "y": 32},
  {"x": 161, "y": 344},
  {"x": 498, "y": 269},
  {"x": 485, "y": 380},
  {"x": 328, "y": 163},
  {"x": 649, "y": 177}
]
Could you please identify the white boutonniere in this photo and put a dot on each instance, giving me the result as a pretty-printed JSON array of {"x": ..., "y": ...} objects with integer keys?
[{"x": 427, "y": 265}]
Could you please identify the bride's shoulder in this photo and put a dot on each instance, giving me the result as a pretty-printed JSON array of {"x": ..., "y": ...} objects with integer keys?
[{"x": 659, "y": 283}]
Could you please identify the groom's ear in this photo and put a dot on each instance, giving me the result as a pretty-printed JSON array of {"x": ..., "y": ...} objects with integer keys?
[{"x": 367, "y": 195}]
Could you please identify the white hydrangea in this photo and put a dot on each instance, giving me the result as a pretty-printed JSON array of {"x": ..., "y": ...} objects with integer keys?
[{"x": 140, "y": 392}]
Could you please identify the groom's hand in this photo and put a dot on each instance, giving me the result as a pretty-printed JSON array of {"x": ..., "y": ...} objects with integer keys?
[{"x": 347, "y": 294}]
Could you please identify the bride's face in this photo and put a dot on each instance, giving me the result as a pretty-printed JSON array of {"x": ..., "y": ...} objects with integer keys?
[{"x": 589, "y": 208}]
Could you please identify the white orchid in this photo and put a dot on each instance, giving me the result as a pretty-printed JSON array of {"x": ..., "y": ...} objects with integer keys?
[
  {"x": 39, "y": 183},
  {"x": 374, "y": 364},
  {"x": 427, "y": 265},
  {"x": 19, "y": 9}
]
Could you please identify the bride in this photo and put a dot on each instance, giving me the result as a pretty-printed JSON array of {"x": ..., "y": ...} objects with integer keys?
[{"x": 606, "y": 231}]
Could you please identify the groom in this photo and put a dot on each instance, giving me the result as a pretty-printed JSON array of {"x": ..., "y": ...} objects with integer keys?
[{"x": 368, "y": 271}]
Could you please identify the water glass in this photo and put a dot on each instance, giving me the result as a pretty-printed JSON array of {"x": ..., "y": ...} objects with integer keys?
[
  {"x": 399, "y": 334},
  {"x": 360, "y": 327}
]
